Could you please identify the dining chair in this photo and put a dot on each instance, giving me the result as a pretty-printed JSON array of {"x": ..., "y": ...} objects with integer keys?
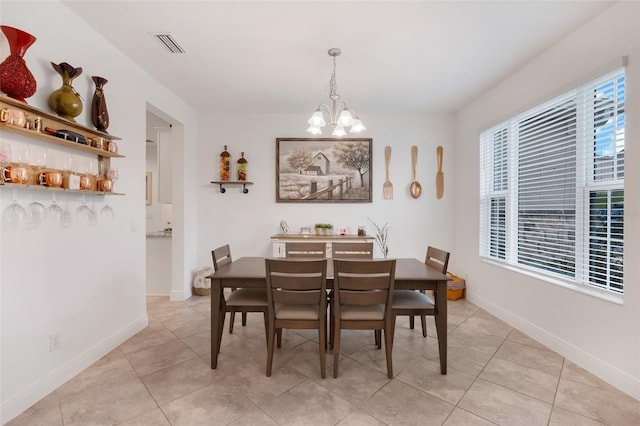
[
  {"x": 362, "y": 301},
  {"x": 344, "y": 250},
  {"x": 308, "y": 250},
  {"x": 242, "y": 300},
  {"x": 412, "y": 302},
  {"x": 297, "y": 298},
  {"x": 349, "y": 250}
]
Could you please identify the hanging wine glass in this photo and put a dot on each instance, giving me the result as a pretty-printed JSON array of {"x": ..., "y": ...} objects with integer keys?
[
  {"x": 84, "y": 214},
  {"x": 54, "y": 211},
  {"x": 14, "y": 214},
  {"x": 107, "y": 212},
  {"x": 36, "y": 213},
  {"x": 67, "y": 217}
]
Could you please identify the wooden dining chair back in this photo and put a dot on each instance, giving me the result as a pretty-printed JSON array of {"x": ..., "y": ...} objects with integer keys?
[
  {"x": 242, "y": 300},
  {"x": 307, "y": 250},
  {"x": 362, "y": 301},
  {"x": 411, "y": 302},
  {"x": 344, "y": 250},
  {"x": 297, "y": 298}
]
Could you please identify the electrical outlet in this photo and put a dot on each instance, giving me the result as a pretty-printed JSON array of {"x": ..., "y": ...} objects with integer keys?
[{"x": 54, "y": 342}]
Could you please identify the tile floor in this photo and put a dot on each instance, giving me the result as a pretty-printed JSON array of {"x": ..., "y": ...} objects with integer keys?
[{"x": 496, "y": 376}]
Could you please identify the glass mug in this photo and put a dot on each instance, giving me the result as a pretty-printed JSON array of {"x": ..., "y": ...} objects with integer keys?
[
  {"x": 15, "y": 174},
  {"x": 51, "y": 179},
  {"x": 13, "y": 116}
]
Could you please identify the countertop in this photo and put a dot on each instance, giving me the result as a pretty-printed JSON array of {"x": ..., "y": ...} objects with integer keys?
[{"x": 159, "y": 234}]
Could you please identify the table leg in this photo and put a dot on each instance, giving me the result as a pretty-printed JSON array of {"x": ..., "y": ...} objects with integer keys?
[
  {"x": 441, "y": 323},
  {"x": 217, "y": 319}
]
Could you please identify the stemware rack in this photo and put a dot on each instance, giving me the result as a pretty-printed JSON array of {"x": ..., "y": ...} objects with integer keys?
[{"x": 53, "y": 121}]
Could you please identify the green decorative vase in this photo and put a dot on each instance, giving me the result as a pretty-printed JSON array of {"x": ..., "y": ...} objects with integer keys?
[{"x": 66, "y": 101}]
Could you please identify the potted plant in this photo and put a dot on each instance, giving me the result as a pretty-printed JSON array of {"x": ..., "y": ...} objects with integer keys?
[{"x": 323, "y": 228}]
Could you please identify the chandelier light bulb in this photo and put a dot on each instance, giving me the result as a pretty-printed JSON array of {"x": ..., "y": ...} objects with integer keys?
[
  {"x": 345, "y": 118},
  {"x": 317, "y": 119},
  {"x": 314, "y": 130},
  {"x": 339, "y": 131},
  {"x": 357, "y": 126}
]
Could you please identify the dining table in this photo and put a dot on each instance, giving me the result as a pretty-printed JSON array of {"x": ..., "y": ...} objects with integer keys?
[{"x": 250, "y": 272}]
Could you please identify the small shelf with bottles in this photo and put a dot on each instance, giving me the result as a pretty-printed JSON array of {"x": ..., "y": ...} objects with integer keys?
[
  {"x": 225, "y": 172},
  {"x": 244, "y": 184},
  {"x": 98, "y": 143}
]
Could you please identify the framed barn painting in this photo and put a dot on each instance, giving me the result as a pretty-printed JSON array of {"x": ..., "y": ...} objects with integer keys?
[{"x": 323, "y": 170}]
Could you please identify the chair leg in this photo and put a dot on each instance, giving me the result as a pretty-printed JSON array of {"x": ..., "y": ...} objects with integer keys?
[
  {"x": 336, "y": 350},
  {"x": 322, "y": 335},
  {"x": 388, "y": 347},
  {"x": 411, "y": 322},
  {"x": 279, "y": 332},
  {"x": 244, "y": 319},
  {"x": 232, "y": 319},
  {"x": 330, "y": 344},
  {"x": 270, "y": 342},
  {"x": 266, "y": 326},
  {"x": 378, "y": 334},
  {"x": 423, "y": 320}
]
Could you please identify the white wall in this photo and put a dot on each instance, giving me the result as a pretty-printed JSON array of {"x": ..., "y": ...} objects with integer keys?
[
  {"x": 86, "y": 283},
  {"x": 601, "y": 336},
  {"x": 246, "y": 221}
]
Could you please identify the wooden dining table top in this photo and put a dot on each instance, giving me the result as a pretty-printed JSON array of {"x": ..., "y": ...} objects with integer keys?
[{"x": 407, "y": 269}]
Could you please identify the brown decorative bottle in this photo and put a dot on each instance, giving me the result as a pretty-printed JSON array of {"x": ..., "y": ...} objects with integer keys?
[
  {"x": 225, "y": 164},
  {"x": 242, "y": 167},
  {"x": 99, "y": 113}
]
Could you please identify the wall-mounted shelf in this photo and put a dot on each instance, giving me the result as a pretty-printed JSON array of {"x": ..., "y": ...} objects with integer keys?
[
  {"x": 49, "y": 189},
  {"x": 49, "y": 120},
  {"x": 232, "y": 182}
]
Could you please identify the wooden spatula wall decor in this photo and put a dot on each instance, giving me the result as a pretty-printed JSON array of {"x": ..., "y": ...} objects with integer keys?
[
  {"x": 387, "y": 187},
  {"x": 439, "y": 175}
]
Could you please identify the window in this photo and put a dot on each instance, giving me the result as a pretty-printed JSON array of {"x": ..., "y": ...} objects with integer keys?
[{"x": 552, "y": 187}]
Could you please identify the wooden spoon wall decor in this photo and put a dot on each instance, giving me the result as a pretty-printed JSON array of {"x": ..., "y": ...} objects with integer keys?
[
  {"x": 439, "y": 175},
  {"x": 415, "y": 188}
]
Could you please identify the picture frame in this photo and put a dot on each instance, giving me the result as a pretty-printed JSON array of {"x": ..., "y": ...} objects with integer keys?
[
  {"x": 148, "y": 187},
  {"x": 324, "y": 170}
]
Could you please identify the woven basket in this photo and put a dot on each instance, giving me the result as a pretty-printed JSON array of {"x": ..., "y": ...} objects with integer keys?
[
  {"x": 201, "y": 291},
  {"x": 455, "y": 287}
]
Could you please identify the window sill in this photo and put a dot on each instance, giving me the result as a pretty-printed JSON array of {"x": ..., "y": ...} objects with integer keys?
[{"x": 607, "y": 296}]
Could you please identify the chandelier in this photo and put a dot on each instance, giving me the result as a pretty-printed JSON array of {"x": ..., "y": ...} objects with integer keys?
[{"x": 340, "y": 116}]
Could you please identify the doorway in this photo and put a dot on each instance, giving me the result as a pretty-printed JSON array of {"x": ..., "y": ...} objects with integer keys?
[{"x": 159, "y": 200}]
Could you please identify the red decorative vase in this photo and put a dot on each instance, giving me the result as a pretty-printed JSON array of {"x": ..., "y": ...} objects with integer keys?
[{"x": 15, "y": 78}]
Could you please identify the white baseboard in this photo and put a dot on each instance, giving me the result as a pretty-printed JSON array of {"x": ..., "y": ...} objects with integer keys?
[
  {"x": 179, "y": 295},
  {"x": 61, "y": 375},
  {"x": 603, "y": 370}
]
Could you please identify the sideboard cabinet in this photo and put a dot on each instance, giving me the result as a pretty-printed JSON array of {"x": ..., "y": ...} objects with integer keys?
[{"x": 279, "y": 241}]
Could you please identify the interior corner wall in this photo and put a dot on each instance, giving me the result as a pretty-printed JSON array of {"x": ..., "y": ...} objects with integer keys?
[
  {"x": 247, "y": 221},
  {"x": 86, "y": 283},
  {"x": 601, "y": 336}
]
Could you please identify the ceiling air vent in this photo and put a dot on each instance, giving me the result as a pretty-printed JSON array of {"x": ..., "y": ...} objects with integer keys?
[{"x": 169, "y": 43}]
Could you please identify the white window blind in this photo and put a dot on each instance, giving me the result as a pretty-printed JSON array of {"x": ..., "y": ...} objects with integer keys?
[{"x": 552, "y": 186}]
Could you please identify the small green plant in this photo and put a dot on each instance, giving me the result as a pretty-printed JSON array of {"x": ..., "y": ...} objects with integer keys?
[{"x": 324, "y": 226}]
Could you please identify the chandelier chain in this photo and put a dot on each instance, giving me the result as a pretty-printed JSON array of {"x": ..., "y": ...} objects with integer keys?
[{"x": 333, "y": 83}]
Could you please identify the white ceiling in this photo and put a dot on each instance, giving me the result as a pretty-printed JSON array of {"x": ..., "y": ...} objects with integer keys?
[{"x": 271, "y": 56}]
